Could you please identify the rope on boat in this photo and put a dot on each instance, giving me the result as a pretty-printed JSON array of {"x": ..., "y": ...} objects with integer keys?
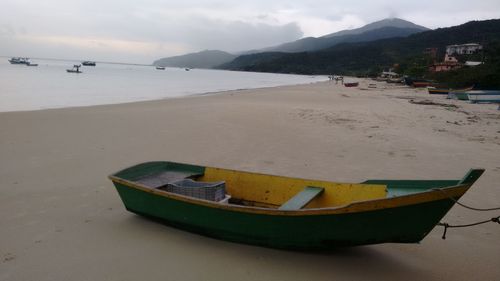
[
  {"x": 468, "y": 207},
  {"x": 446, "y": 225}
]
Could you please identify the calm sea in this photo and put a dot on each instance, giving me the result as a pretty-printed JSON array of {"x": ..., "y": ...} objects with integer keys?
[{"x": 48, "y": 85}]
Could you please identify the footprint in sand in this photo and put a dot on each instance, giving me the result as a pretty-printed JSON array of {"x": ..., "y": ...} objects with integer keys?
[{"x": 8, "y": 257}]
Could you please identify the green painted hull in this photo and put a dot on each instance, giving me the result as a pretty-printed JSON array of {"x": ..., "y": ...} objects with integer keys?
[
  {"x": 462, "y": 96},
  {"x": 404, "y": 225},
  {"x": 408, "y": 223}
]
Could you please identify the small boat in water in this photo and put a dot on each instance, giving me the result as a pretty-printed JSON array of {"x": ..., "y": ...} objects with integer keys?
[
  {"x": 75, "y": 69},
  {"x": 160, "y": 68},
  {"x": 31, "y": 64},
  {"x": 484, "y": 96},
  {"x": 351, "y": 84},
  {"x": 88, "y": 63},
  {"x": 19, "y": 60},
  {"x": 284, "y": 212}
]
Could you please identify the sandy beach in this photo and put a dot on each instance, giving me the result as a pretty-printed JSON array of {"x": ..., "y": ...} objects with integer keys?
[{"x": 61, "y": 218}]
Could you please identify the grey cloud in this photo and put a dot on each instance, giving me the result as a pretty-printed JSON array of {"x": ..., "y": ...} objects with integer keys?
[
  {"x": 193, "y": 25},
  {"x": 201, "y": 32},
  {"x": 239, "y": 36}
]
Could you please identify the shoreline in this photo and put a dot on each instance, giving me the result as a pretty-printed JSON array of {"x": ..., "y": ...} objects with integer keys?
[
  {"x": 101, "y": 102},
  {"x": 211, "y": 93},
  {"x": 61, "y": 217}
]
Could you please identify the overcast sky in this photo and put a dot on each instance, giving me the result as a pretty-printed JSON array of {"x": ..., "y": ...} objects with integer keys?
[{"x": 142, "y": 31}]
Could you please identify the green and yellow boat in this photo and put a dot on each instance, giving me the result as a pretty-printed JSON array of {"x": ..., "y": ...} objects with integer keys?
[{"x": 284, "y": 212}]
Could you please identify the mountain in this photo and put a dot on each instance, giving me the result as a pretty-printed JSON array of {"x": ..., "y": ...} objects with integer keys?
[
  {"x": 203, "y": 59},
  {"x": 386, "y": 28},
  {"x": 392, "y": 22},
  {"x": 363, "y": 58}
]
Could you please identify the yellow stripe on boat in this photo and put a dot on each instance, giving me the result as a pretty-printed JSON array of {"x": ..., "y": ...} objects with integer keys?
[{"x": 274, "y": 191}]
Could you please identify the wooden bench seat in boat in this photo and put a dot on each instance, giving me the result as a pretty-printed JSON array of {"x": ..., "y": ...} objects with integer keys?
[{"x": 302, "y": 198}]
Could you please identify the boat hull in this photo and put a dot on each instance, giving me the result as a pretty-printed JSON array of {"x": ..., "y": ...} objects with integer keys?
[
  {"x": 484, "y": 96},
  {"x": 351, "y": 84},
  {"x": 404, "y": 224},
  {"x": 438, "y": 91},
  {"x": 461, "y": 95},
  {"x": 421, "y": 84},
  {"x": 400, "y": 219}
]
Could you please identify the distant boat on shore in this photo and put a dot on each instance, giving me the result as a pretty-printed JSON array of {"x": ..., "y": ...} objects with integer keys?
[
  {"x": 75, "y": 69},
  {"x": 351, "y": 84},
  {"x": 88, "y": 63},
  {"x": 442, "y": 91},
  {"x": 160, "y": 68},
  {"x": 416, "y": 82},
  {"x": 458, "y": 95},
  {"x": 19, "y": 60},
  {"x": 31, "y": 64},
  {"x": 435, "y": 91},
  {"x": 421, "y": 84},
  {"x": 480, "y": 96}
]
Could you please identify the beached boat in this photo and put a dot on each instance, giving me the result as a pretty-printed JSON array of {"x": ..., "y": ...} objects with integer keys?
[
  {"x": 88, "y": 63},
  {"x": 284, "y": 212},
  {"x": 160, "y": 68},
  {"x": 410, "y": 80},
  {"x": 351, "y": 84},
  {"x": 459, "y": 95},
  {"x": 75, "y": 69},
  {"x": 482, "y": 96},
  {"x": 421, "y": 84},
  {"x": 436, "y": 91},
  {"x": 443, "y": 91},
  {"x": 31, "y": 64},
  {"x": 395, "y": 80}
]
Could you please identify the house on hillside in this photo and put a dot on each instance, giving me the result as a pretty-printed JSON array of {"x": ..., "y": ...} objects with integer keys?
[
  {"x": 449, "y": 63},
  {"x": 463, "y": 49}
]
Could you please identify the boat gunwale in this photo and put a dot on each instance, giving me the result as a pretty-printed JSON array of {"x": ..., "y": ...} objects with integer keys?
[{"x": 434, "y": 194}]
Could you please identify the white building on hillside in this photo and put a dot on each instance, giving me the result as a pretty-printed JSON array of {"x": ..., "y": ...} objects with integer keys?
[{"x": 464, "y": 49}]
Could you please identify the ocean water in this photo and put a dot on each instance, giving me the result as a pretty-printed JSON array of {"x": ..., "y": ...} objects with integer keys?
[{"x": 48, "y": 85}]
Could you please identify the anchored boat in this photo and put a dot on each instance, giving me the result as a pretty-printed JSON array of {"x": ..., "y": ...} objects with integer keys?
[
  {"x": 88, "y": 63},
  {"x": 284, "y": 212},
  {"x": 19, "y": 60},
  {"x": 75, "y": 69}
]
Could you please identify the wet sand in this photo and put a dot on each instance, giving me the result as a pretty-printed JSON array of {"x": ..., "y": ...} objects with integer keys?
[{"x": 61, "y": 219}]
